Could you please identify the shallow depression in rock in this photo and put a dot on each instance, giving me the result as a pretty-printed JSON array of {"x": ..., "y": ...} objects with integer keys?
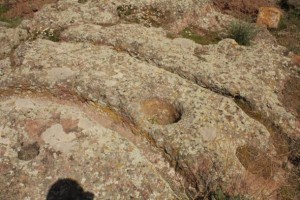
[{"x": 160, "y": 111}]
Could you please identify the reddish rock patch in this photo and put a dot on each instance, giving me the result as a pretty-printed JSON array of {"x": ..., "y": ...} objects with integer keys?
[
  {"x": 35, "y": 128},
  {"x": 236, "y": 7},
  {"x": 69, "y": 125},
  {"x": 25, "y": 8},
  {"x": 296, "y": 60}
]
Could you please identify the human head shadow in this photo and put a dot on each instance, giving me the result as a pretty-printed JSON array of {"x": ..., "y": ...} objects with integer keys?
[{"x": 68, "y": 189}]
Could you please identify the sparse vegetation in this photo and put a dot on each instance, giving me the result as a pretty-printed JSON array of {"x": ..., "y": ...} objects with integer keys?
[
  {"x": 49, "y": 34},
  {"x": 53, "y": 35},
  {"x": 208, "y": 38},
  {"x": 125, "y": 10},
  {"x": 288, "y": 32},
  {"x": 242, "y": 32}
]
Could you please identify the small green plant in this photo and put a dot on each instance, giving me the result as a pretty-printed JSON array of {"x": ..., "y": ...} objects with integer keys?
[
  {"x": 208, "y": 38},
  {"x": 49, "y": 34},
  {"x": 242, "y": 32},
  {"x": 52, "y": 35}
]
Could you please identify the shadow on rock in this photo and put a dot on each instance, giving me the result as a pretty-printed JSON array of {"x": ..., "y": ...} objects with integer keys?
[{"x": 68, "y": 189}]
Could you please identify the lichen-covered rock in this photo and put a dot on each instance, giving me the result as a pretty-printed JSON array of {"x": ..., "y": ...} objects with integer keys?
[
  {"x": 241, "y": 7},
  {"x": 269, "y": 16},
  {"x": 221, "y": 68},
  {"x": 23, "y": 8},
  {"x": 173, "y": 15},
  {"x": 10, "y": 39},
  {"x": 119, "y": 109},
  {"x": 36, "y": 151},
  {"x": 211, "y": 127}
]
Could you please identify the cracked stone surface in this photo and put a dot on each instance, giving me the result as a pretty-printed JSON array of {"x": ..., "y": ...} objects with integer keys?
[{"x": 128, "y": 112}]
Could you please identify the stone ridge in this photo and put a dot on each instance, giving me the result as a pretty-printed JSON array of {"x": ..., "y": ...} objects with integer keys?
[
  {"x": 98, "y": 92},
  {"x": 221, "y": 68}
]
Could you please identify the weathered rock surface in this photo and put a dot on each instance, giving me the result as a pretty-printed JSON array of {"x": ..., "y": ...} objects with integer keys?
[
  {"x": 210, "y": 124},
  {"x": 221, "y": 68},
  {"x": 174, "y": 15},
  {"x": 242, "y": 7},
  {"x": 24, "y": 8},
  {"x": 42, "y": 141},
  {"x": 128, "y": 112},
  {"x": 269, "y": 16},
  {"x": 9, "y": 39}
]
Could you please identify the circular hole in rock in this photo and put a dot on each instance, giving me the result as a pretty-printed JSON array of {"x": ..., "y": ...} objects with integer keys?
[
  {"x": 159, "y": 111},
  {"x": 255, "y": 160},
  {"x": 29, "y": 152}
]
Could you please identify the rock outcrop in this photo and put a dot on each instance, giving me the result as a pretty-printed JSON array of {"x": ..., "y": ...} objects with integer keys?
[
  {"x": 269, "y": 16},
  {"x": 97, "y": 92}
]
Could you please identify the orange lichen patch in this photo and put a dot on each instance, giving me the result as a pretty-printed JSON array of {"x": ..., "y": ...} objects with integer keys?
[
  {"x": 255, "y": 161},
  {"x": 269, "y": 16},
  {"x": 158, "y": 111}
]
